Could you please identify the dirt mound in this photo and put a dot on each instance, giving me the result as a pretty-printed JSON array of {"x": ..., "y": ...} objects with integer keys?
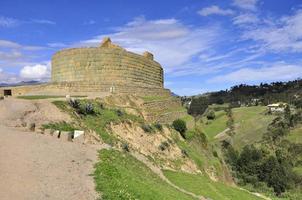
[
  {"x": 19, "y": 112},
  {"x": 157, "y": 145}
]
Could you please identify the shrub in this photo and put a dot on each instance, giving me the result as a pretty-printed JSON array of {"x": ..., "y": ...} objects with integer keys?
[
  {"x": 89, "y": 109},
  {"x": 211, "y": 115},
  {"x": 158, "y": 126},
  {"x": 184, "y": 153},
  {"x": 147, "y": 128},
  {"x": 125, "y": 147},
  {"x": 119, "y": 113},
  {"x": 74, "y": 103},
  {"x": 163, "y": 146},
  {"x": 180, "y": 126}
]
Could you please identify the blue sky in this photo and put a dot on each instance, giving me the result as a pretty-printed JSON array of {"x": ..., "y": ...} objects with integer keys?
[{"x": 203, "y": 45}]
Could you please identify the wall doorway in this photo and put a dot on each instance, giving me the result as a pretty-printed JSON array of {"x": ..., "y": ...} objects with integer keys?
[{"x": 7, "y": 92}]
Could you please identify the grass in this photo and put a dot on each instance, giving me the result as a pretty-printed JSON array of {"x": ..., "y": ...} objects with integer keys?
[
  {"x": 36, "y": 97},
  {"x": 120, "y": 176},
  {"x": 201, "y": 185},
  {"x": 250, "y": 124},
  {"x": 212, "y": 127},
  {"x": 295, "y": 135},
  {"x": 98, "y": 121},
  {"x": 61, "y": 126}
]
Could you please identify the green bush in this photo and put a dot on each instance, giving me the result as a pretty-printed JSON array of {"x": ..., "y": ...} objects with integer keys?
[
  {"x": 180, "y": 126},
  {"x": 125, "y": 147},
  {"x": 147, "y": 128},
  {"x": 158, "y": 126},
  {"x": 74, "y": 103},
  {"x": 211, "y": 115},
  {"x": 164, "y": 145}
]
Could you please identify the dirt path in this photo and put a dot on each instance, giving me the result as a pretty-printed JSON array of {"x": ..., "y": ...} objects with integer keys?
[{"x": 34, "y": 167}]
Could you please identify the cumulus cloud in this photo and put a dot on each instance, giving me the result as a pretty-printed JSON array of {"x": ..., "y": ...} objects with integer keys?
[
  {"x": 172, "y": 42},
  {"x": 276, "y": 72},
  {"x": 215, "y": 10},
  {"x": 35, "y": 72},
  {"x": 246, "y": 4},
  {"x": 284, "y": 34}
]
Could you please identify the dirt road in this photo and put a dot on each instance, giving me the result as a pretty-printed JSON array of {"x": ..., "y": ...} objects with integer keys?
[{"x": 35, "y": 166}]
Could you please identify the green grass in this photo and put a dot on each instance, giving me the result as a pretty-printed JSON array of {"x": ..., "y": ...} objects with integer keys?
[
  {"x": 201, "y": 185},
  {"x": 98, "y": 121},
  {"x": 250, "y": 124},
  {"x": 298, "y": 170},
  {"x": 119, "y": 176},
  {"x": 36, "y": 97},
  {"x": 61, "y": 126},
  {"x": 213, "y": 127},
  {"x": 295, "y": 135}
]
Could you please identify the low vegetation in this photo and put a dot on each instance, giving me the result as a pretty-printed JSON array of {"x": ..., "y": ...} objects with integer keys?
[
  {"x": 202, "y": 185},
  {"x": 120, "y": 176},
  {"x": 61, "y": 126}
]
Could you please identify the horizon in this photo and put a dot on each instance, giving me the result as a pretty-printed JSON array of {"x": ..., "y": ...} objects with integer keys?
[{"x": 202, "y": 46}]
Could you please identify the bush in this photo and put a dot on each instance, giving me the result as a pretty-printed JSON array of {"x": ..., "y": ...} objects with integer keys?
[
  {"x": 89, "y": 109},
  {"x": 158, "y": 126},
  {"x": 119, "y": 113},
  {"x": 211, "y": 115},
  {"x": 125, "y": 147},
  {"x": 163, "y": 146},
  {"x": 180, "y": 126},
  {"x": 147, "y": 128},
  {"x": 74, "y": 103},
  {"x": 184, "y": 153}
]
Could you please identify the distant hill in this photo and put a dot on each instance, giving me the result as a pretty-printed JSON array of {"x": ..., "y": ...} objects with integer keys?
[{"x": 20, "y": 83}]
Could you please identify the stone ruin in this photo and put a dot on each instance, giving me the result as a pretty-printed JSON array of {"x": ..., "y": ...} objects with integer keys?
[{"x": 108, "y": 68}]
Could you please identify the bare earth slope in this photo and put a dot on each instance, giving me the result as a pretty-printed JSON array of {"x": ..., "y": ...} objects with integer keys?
[{"x": 35, "y": 166}]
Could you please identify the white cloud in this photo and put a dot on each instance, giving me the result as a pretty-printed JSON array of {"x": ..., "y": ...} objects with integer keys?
[
  {"x": 90, "y": 22},
  {"x": 278, "y": 71},
  {"x": 35, "y": 72},
  {"x": 246, "y": 4},
  {"x": 8, "y": 22},
  {"x": 215, "y": 10},
  {"x": 57, "y": 45},
  {"x": 247, "y": 18},
  {"x": 43, "y": 21},
  {"x": 172, "y": 42},
  {"x": 283, "y": 34}
]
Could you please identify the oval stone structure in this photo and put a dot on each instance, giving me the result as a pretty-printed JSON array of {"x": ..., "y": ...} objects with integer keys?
[{"x": 108, "y": 65}]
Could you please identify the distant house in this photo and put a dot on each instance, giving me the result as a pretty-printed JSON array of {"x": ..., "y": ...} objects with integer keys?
[{"x": 276, "y": 107}]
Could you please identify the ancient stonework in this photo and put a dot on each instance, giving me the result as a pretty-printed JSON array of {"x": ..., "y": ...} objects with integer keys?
[{"x": 108, "y": 68}]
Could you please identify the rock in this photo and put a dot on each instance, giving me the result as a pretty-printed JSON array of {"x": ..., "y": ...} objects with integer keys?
[
  {"x": 66, "y": 135},
  {"x": 56, "y": 134},
  {"x": 78, "y": 136},
  {"x": 32, "y": 126}
]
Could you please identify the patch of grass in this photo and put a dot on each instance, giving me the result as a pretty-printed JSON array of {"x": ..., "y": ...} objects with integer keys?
[
  {"x": 250, "y": 124},
  {"x": 120, "y": 176},
  {"x": 36, "y": 97},
  {"x": 202, "y": 185},
  {"x": 61, "y": 126},
  {"x": 295, "y": 135},
  {"x": 213, "y": 127},
  {"x": 99, "y": 120}
]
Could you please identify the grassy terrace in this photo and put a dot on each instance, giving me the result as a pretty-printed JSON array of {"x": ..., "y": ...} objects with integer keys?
[
  {"x": 213, "y": 127},
  {"x": 295, "y": 135},
  {"x": 120, "y": 176},
  {"x": 154, "y": 98},
  {"x": 35, "y": 97},
  {"x": 202, "y": 185}
]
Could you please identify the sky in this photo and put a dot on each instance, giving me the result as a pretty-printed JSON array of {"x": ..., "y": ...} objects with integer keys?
[{"x": 203, "y": 45}]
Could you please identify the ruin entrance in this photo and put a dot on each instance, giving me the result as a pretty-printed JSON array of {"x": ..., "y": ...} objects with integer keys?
[{"x": 7, "y": 92}]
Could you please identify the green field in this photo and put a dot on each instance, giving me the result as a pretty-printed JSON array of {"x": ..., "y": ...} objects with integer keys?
[
  {"x": 250, "y": 124},
  {"x": 120, "y": 176},
  {"x": 201, "y": 185},
  {"x": 212, "y": 127},
  {"x": 295, "y": 135}
]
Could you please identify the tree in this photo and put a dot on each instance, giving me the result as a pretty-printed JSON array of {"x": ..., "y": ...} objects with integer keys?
[{"x": 211, "y": 115}]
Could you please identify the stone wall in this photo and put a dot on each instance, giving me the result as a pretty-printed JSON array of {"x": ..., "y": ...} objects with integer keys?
[{"x": 107, "y": 66}]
